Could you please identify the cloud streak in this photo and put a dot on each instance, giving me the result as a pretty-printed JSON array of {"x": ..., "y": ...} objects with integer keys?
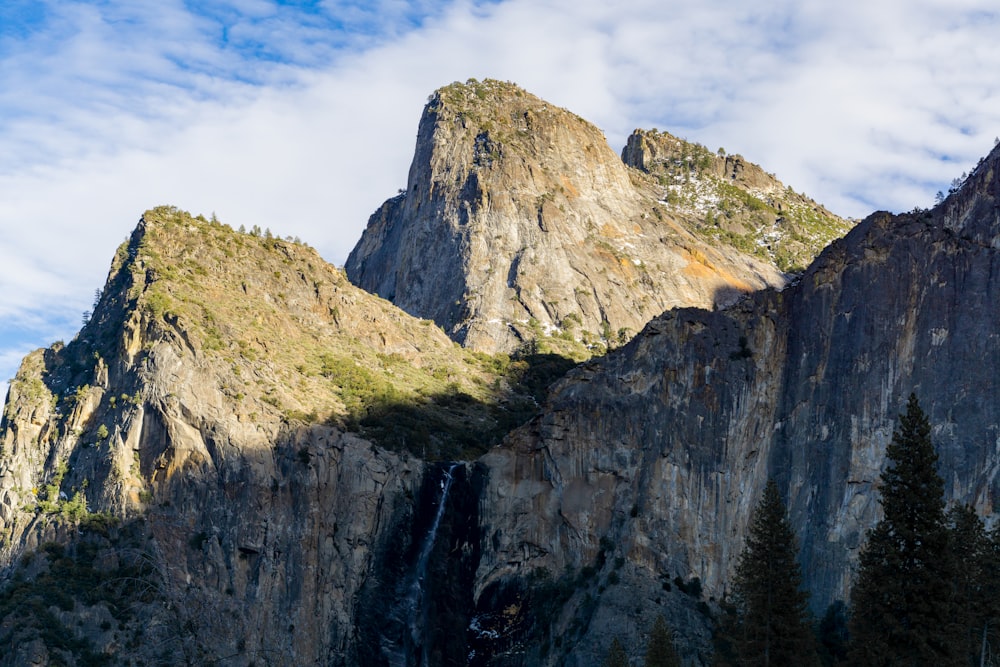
[{"x": 301, "y": 116}]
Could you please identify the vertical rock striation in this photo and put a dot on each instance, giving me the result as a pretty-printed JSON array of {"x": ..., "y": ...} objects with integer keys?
[
  {"x": 196, "y": 427},
  {"x": 192, "y": 448},
  {"x": 662, "y": 448},
  {"x": 518, "y": 220}
]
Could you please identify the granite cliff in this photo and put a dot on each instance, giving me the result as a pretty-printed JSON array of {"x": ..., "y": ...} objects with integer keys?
[
  {"x": 656, "y": 453},
  {"x": 518, "y": 220},
  {"x": 244, "y": 458},
  {"x": 194, "y": 459},
  {"x": 731, "y": 200}
]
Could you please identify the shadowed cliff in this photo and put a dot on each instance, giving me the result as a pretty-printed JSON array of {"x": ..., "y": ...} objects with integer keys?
[
  {"x": 214, "y": 404},
  {"x": 663, "y": 447},
  {"x": 247, "y": 452}
]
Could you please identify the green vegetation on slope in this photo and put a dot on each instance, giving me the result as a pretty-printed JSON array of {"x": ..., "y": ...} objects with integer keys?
[
  {"x": 82, "y": 602},
  {"x": 287, "y": 335},
  {"x": 736, "y": 202}
]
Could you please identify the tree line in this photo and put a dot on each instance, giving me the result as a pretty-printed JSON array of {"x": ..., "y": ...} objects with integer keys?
[
  {"x": 660, "y": 651},
  {"x": 927, "y": 591}
]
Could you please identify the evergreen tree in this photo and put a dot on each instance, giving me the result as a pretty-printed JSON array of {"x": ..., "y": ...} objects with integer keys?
[
  {"x": 989, "y": 641},
  {"x": 724, "y": 635},
  {"x": 976, "y": 582},
  {"x": 969, "y": 546},
  {"x": 616, "y": 655},
  {"x": 901, "y": 605},
  {"x": 661, "y": 652},
  {"x": 773, "y": 624},
  {"x": 832, "y": 634}
]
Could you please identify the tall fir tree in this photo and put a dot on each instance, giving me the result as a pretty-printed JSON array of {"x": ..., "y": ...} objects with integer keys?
[
  {"x": 990, "y": 570},
  {"x": 724, "y": 634},
  {"x": 976, "y": 584},
  {"x": 969, "y": 545},
  {"x": 773, "y": 625},
  {"x": 616, "y": 655},
  {"x": 660, "y": 651},
  {"x": 902, "y": 606},
  {"x": 832, "y": 635}
]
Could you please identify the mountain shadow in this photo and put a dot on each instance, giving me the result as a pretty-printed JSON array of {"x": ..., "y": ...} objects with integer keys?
[{"x": 454, "y": 425}]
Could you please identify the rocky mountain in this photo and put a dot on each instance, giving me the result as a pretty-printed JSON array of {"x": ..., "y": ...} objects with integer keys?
[
  {"x": 654, "y": 455},
  {"x": 729, "y": 199},
  {"x": 243, "y": 458},
  {"x": 196, "y": 452},
  {"x": 519, "y": 221}
]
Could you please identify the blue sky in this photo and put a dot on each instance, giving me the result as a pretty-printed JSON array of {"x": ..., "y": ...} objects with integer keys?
[{"x": 301, "y": 116}]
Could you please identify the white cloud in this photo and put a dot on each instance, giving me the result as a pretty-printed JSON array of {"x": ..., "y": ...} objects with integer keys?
[{"x": 268, "y": 115}]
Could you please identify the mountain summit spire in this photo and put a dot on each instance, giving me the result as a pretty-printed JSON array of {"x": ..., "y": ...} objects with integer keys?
[{"x": 519, "y": 221}]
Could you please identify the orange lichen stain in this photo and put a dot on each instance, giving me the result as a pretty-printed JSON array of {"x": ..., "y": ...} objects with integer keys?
[
  {"x": 622, "y": 264},
  {"x": 610, "y": 231},
  {"x": 698, "y": 265},
  {"x": 733, "y": 281},
  {"x": 698, "y": 270},
  {"x": 571, "y": 190},
  {"x": 673, "y": 224},
  {"x": 698, "y": 256},
  {"x": 605, "y": 255},
  {"x": 627, "y": 267}
]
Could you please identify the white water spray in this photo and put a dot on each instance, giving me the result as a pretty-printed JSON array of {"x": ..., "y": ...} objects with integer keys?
[{"x": 414, "y": 603}]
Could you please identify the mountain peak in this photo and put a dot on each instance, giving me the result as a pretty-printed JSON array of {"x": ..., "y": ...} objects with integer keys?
[
  {"x": 246, "y": 452},
  {"x": 727, "y": 198},
  {"x": 474, "y": 94},
  {"x": 520, "y": 225}
]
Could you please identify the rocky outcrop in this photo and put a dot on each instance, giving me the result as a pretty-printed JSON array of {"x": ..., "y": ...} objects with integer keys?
[
  {"x": 518, "y": 221},
  {"x": 660, "y": 153},
  {"x": 247, "y": 458},
  {"x": 727, "y": 198},
  {"x": 662, "y": 448},
  {"x": 194, "y": 436}
]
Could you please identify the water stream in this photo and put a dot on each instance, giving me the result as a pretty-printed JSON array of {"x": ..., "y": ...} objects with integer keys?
[{"x": 414, "y": 603}]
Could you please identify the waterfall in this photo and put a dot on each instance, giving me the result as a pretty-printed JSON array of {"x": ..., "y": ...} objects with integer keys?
[{"x": 413, "y": 605}]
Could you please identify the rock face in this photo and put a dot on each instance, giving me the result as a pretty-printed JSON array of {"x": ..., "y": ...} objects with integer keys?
[
  {"x": 661, "y": 448},
  {"x": 519, "y": 220},
  {"x": 244, "y": 457},
  {"x": 193, "y": 438},
  {"x": 732, "y": 200}
]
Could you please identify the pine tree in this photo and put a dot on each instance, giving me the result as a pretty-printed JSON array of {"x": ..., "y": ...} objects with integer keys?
[
  {"x": 901, "y": 605},
  {"x": 832, "y": 634},
  {"x": 976, "y": 583},
  {"x": 989, "y": 641},
  {"x": 969, "y": 546},
  {"x": 773, "y": 624},
  {"x": 616, "y": 655},
  {"x": 661, "y": 652},
  {"x": 724, "y": 634}
]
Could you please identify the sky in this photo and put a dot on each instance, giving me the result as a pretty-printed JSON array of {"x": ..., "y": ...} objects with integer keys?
[{"x": 301, "y": 116}]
